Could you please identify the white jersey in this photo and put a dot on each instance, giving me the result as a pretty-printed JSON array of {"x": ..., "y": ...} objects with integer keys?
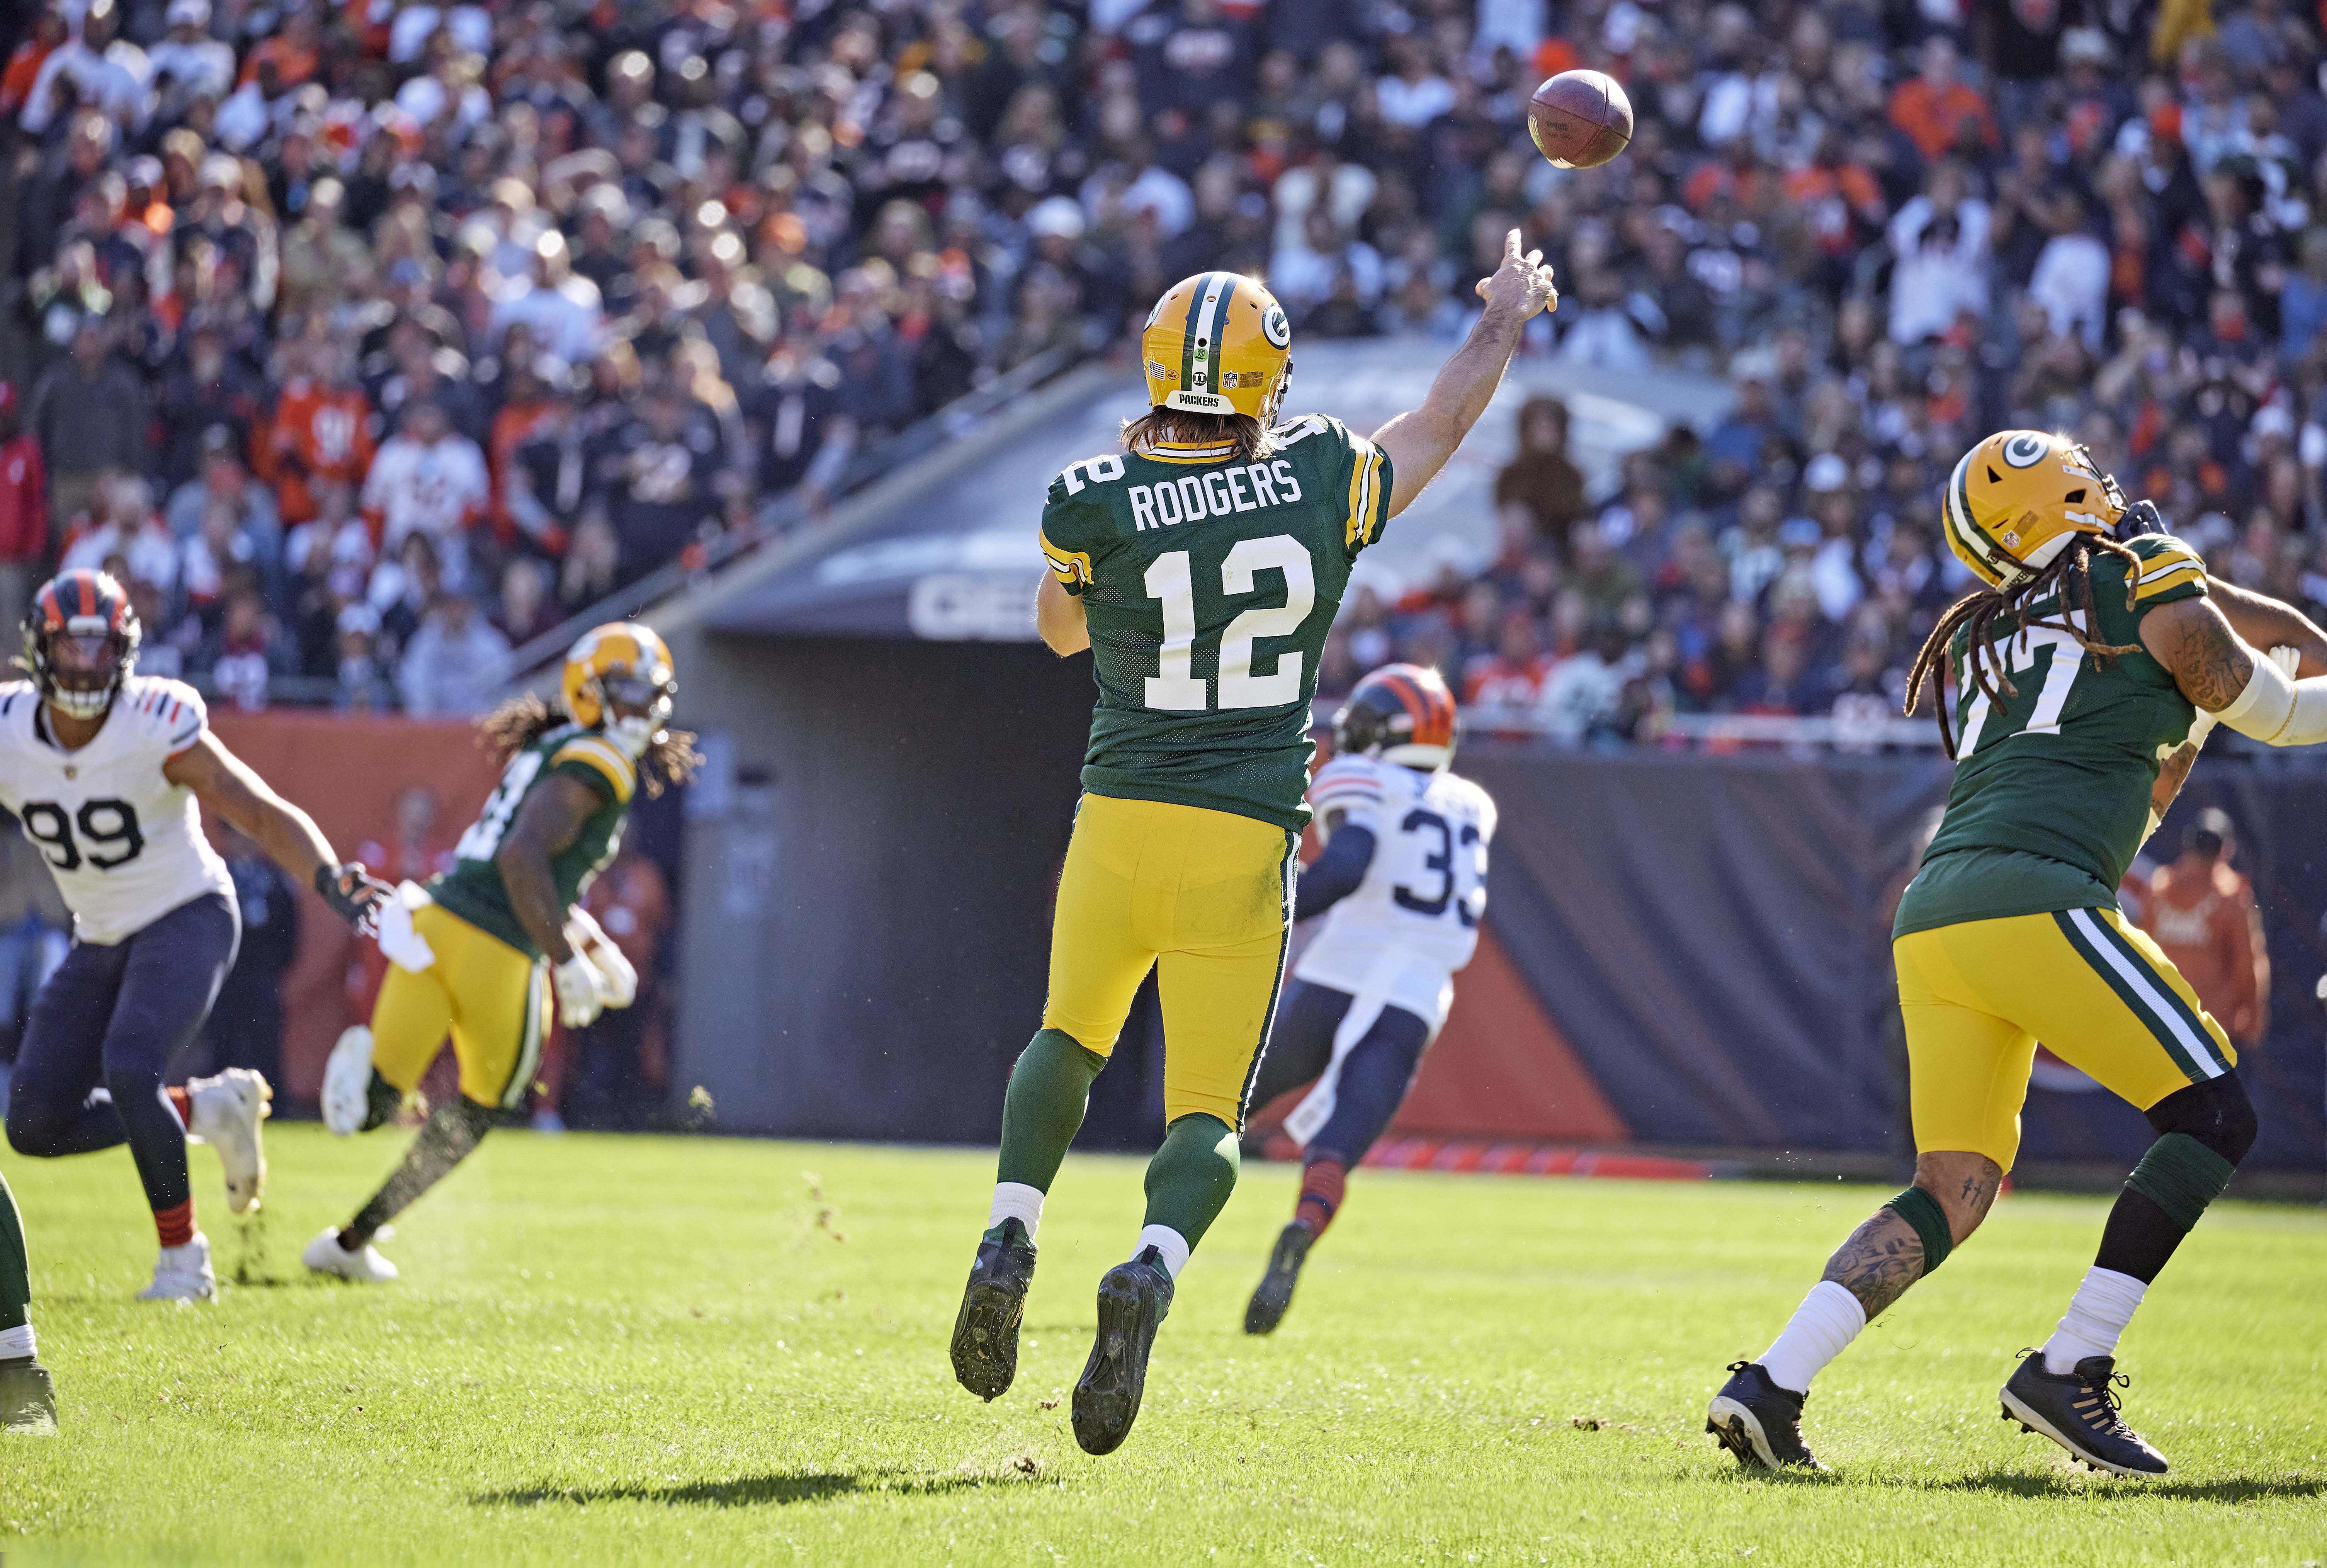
[
  {"x": 124, "y": 843},
  {"x": 1413, "y": 921}
]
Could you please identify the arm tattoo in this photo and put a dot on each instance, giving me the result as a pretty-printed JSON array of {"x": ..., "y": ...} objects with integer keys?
[
  {"x": 1882, "y": 1258},
  {"x": 2207, "y": 660}
]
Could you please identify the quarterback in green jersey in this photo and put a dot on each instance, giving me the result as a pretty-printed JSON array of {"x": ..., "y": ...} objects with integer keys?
[
  {"x": 1202, "y": 565},
  {"x": 2088, "y": 672},
  {"x": 480, "y": 951}
]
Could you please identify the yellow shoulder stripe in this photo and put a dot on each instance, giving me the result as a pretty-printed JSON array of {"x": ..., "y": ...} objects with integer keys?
[
  {"x": 1365, "y": 474},
  {"x": 1072, "y": 566},
  {"x": 2157, "y": 582},
  {"x": 596, "y": 752}
]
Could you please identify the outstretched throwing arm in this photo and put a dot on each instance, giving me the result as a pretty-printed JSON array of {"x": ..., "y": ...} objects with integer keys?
[{"x": 1419, "y": 442}]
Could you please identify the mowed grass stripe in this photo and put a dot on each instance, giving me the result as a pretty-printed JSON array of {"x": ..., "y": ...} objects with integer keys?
[{"x": 647, "y": 1349}]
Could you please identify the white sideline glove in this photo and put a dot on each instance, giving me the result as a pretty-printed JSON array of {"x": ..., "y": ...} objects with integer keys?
[
  {"x": 580, "y": 996},
  {"x": 620, "y": 979}
]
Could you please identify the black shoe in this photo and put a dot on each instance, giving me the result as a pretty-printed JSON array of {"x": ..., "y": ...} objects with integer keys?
[
  {"x": 1759, "y": 1421},
  {"x": 1132, "y": 1300},
  {"x": 1274, "y": 1292},
  {"x": 28, "y": 1400},
  {"x": 993, "y": 1305},
  {"x": 2078, "y": 1411}
]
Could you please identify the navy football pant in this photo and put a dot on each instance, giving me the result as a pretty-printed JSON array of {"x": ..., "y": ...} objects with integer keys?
[
  {"x": 100, "y": 1038},
  {"x": 1374, "y": 1074}
]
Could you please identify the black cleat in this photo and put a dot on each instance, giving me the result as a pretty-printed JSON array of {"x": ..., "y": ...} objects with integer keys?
[
  {"x": 1274, "y": 1292},
  {"x": 2078, "y": 1411},
  {"x": 28, "y": 1399},
  {"x": 1759, "y": 1421},
  {"x": 1132, "y": 1300},
  {"x": 993, "y": 1305}
]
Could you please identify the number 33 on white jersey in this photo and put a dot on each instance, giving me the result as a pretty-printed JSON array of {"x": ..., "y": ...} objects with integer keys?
[
  {"x": 124, "y": 843},
  {"x": 1413, "y": 921}
]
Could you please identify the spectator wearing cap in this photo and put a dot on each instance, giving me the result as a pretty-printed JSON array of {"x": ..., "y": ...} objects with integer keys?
[
  {"x": 188, "y": 62},
  {"x": 428, "y": 479},
  {"x": 2203, "y": 913},
  {"x": 90, "y": 414},
  {"x": 23, "y": 510},
  {"x": 456, "y": 663},
  {"x": 563, "y": 308}
]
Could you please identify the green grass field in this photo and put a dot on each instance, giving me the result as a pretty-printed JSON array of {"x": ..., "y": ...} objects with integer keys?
[{"x": 615, "y": 1350}]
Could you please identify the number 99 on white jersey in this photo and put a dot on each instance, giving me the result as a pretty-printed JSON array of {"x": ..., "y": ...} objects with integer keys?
[
  {"x": 124, "y": 843},
  {"x": 1413, "y": 921}
]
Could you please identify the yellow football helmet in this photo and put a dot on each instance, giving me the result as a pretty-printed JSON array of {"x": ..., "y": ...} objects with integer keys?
[
  {"x": 2016, "y": 498},
  {"x": 1218, "y": 344},
  {"x": 626, "y": 662}
]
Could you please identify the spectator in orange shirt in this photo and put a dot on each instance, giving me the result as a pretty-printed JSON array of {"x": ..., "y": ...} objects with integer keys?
[
  {"x": 321, "y": 430},
  {"x": 2203, "y": 914},
  {"x": 292, "y": 52},
  {"x": 24, "y": 68},
  {"x": 1931, "y": 107}
]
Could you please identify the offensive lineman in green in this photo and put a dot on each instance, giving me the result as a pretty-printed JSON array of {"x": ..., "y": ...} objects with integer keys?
[
  {"x": 1202, "y": 565},
  {"x": 2088, "y": 672}
]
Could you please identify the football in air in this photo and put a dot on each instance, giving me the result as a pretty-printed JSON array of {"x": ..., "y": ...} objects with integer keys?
[{"x": 1580, "y": 120}]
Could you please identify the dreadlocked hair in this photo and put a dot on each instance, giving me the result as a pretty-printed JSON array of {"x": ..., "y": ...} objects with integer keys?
[
  {"x": 2071, "y": 571},
  {"x": 671, "y": 757}
]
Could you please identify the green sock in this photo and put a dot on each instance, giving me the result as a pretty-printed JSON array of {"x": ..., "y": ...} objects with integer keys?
[
  {"x": 15, "y": 1273},
  {"x": 1049, "y": 1089},
  {"x": 1190, "y": 1178}
]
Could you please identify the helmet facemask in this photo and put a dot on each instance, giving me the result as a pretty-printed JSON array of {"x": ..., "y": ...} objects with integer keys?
[
  {"x": 79, "y": 672},
  {"x": 637, "y": 710}
]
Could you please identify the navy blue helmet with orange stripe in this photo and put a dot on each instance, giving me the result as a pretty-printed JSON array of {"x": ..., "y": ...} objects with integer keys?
[
  {"x": 80, "y": 641},
  {"x": 1402, "y": 713}
]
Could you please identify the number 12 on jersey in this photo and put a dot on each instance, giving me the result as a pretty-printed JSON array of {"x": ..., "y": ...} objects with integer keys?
[{"x": 1171, "y": 580}]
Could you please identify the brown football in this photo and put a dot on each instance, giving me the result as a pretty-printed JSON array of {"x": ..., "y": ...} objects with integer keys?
[{"x": 1580, "y": 120}]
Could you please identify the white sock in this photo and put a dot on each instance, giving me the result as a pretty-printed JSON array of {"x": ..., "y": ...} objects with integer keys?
[
  {"x": 1167, "y": 1241},
  {"x": 15, "y": 1342},
  {"x": 1016, "y": 1200},
  {"x": 1821, "y": 1328},
  {"x": 2096, "y": 1315}
]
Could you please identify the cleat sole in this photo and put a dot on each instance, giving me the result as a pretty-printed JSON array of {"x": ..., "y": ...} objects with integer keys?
[
  {"x": 985, "y": 1340},
  {"x": 1107, "y": 1394}
]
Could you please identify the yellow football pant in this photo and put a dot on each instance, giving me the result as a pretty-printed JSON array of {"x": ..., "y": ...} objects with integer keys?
[
  {"x": 1205, "y": 898},
  {"x": 492, "y": 999},
  {"x": 2097, "y": 993}
]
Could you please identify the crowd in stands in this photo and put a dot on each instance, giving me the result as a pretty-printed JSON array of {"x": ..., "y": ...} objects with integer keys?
[{"x": 367, "y": 339}]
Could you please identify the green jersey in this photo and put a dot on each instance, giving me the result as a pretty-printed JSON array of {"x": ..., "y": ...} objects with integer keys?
[
  {"x": 2051, "y": 789},
  {"x": 1209, "y": 585},
  {"x": 473, "y": 888}
]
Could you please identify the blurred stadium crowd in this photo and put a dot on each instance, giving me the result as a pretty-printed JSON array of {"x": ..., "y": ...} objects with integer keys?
[{"x": 367, "y": 339}]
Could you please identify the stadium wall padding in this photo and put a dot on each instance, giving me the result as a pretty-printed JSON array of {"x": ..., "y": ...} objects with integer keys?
[{"x": 347, "y": 771}]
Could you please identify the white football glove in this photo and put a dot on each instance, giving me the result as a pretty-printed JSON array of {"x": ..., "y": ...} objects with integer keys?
[
  {"x": 619, "y": 979},
  {"x": 580, "y": 993}
]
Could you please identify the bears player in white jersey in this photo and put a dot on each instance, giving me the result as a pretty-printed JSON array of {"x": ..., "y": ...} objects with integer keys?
[
  {"x": 1403, "y": 873},
  {"x": 107, "y": 771}
]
